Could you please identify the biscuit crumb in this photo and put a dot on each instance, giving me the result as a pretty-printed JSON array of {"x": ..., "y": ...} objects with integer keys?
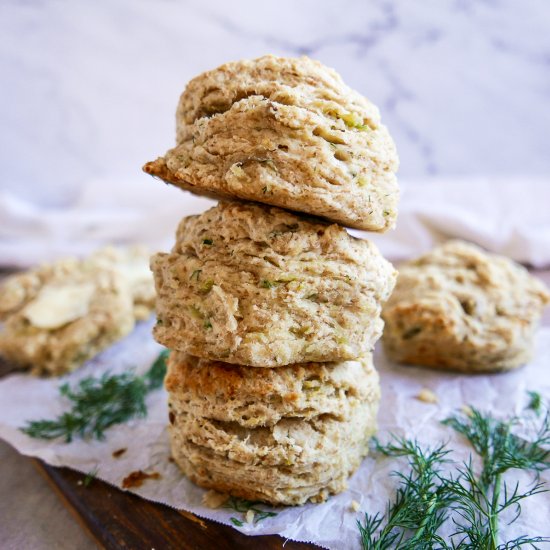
[
  {"x": 213, "y": 499},
  {"x": 136, "y": 479},
  {"x": 355, "y": 506},
  {"x": 288, "y": 335},
  {"x": 250, "y": 516},
  {"x": 427, "y": 396}
]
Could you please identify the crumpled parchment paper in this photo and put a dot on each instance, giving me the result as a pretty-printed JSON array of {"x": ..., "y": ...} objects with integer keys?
[{"x": 331, "y": 524}]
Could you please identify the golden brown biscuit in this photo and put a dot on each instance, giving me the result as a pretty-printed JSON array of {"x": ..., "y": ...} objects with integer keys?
[
  {"x": 460, "y": 308},
  {"x": 312, "y": 432},
  {"x": 256, "y": 285},
  {"x": 289, "y": 133},
  {"x": 266, "y": 396},
  {"x": 59, "y": 315}
]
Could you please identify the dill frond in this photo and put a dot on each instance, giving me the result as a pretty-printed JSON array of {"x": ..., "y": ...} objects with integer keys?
[
  {"x": 535, "y": 401},
  {"x": 154, "y": 377},
  {"x": 427, "y": 496},
  {"x": 97, "y": 403},
  {"x": 243, "y": 506},
  {"x": 420, "y": 505},
  {"x": 90, "y": 476},
  {"x": 480, "y": 500}
]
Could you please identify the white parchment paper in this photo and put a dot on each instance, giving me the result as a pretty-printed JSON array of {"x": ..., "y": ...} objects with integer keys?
[{"x": 331, "y": 524}]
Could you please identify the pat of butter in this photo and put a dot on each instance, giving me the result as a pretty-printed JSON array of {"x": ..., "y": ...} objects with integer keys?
[
  {"x": 56, "y": 306},
  {"x": 135, "y": 273}
]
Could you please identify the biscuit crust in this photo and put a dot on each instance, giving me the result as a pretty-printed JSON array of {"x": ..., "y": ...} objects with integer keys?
[
  {"x": 265, "y": 397},
  {"x": 284, "y": 132},
  {"x": 256, "y": 285},
  {"x": 460, "y": 308},
  {"x": 311, "y": 433}
]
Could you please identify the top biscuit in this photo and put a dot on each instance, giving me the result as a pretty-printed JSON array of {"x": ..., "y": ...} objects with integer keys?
[
  {"x": 285, "y": 132},
  {"x": 460, "y": 308}
]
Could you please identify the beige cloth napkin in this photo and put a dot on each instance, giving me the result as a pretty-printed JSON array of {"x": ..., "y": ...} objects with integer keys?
[{"x": 508, "y": 217}]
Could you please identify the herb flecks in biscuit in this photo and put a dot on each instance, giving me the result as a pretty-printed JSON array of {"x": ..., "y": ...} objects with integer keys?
[
  {"x": 460, "y": 308},
  {"x": 285, "y": 132},
  {"x": 284, "y": 436},
  {"x": 272, "y": 289}
]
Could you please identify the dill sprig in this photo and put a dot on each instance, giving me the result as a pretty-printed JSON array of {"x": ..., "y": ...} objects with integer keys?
[
  {"x": 97, "y": 403},
  {"x": 481, "y": 499},
  {"x": 475, "y": 501},
  {"x": 535, "y": 401},
  {"x": 154, "y": 377},
  {"x": 420, "y": 505},
  {"x": 243, "y": 506},
  {"x": 90, "y": 476}
]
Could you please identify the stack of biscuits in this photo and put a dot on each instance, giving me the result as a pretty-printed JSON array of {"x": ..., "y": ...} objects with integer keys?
[{"x": 270, "y": 309}]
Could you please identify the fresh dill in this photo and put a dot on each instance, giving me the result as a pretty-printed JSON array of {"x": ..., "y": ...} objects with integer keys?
[
  {"x": 243, "y": 506},
  {"x": 154, "y": 377},
  {"x": 265, "y": 283},
  {"x": 90, "y": 476},
  {"x": 429, "y": 494},
  {"x": 420, "y": 504},
  {"x": 97, "y": 403},
  {"x": 481, "y": 499},
  {"x": 535, "y": 401}
]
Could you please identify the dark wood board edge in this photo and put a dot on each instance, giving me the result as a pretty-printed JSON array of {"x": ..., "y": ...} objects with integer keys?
[{"x": 121, "y": 520}]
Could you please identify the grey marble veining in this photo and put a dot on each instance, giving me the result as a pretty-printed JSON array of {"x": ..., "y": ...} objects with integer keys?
[{"x": 89, "y": 88}]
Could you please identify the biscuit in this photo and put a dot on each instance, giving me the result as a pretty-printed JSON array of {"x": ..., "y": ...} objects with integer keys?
[
  {"x": 256, "y": 285},
  {"x": 264, "y": 397},
  {"x": 312, "y": 432},
  {"x": 460, "y": 308},
  {"x": 133, "y": 264},
  {"x": 59, "y": 315},
  {"x": 290, "y": 81},
  {"x": 289, "y": 133}
]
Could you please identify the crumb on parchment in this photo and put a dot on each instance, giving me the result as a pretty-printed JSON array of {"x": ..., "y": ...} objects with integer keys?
[
  {"x": 213, "y": 499},
  {"x": 136, "y": 479},
  {"x": 427, "y": 396}
]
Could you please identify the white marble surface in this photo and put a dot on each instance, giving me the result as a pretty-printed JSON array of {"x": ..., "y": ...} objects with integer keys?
[{"x": 89, "y": 88}]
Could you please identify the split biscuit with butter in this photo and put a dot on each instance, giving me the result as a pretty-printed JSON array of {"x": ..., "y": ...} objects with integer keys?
[
  {"x": 133, "y": 263},
  {"x": 460, "y": 308},
  {"x": 256, "y": 285},
  {"x": 285, "y": 132},
  {"x": 283, "y": 436},
  {"x": 59, "y": 315}
]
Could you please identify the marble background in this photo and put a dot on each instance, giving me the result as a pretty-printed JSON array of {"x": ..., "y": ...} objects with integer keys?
[{"x": 89, "y": 88}]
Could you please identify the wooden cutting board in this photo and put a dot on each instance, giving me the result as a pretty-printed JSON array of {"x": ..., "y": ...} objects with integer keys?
[{"x": 121, "y": 520}]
